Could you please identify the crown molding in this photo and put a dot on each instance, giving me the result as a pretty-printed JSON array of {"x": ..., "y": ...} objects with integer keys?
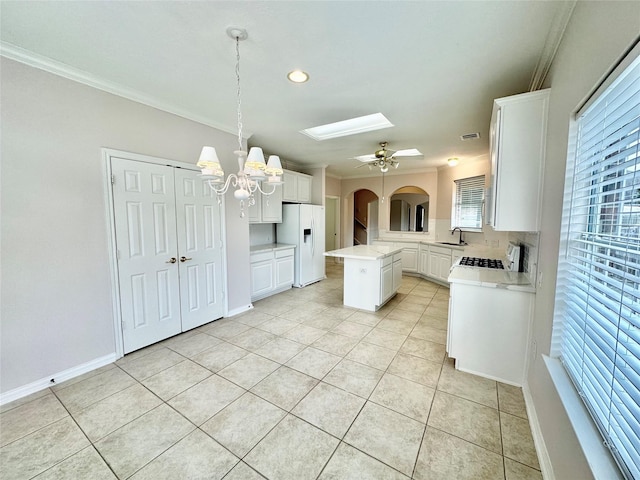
[
  {"x": 551, "y": 44},
  {"x": 60, "y": 69}
]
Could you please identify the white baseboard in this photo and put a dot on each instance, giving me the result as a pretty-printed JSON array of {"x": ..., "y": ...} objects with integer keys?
[
  {"x": 543, "y": 455},
  {"x": 239, "y": 310},
  {"x": 60, "y": 377}
]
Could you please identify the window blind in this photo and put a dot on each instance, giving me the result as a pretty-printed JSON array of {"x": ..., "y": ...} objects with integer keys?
[
  {"x": 597, "y": 317},
  {"x": 468, "y": 203}
]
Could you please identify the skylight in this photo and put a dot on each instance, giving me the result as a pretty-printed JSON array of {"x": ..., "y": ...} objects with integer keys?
[{"x": 353, "y": 126}]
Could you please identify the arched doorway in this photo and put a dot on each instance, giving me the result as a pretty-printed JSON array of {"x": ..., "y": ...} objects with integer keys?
[
  {"x": 409, "y": 210},
  {"x": 365, "y": 217}
]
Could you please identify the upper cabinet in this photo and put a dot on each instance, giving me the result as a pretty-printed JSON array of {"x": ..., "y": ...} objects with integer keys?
[
  {"x": 268, "y": 208},
  {"x": 518, "y": 132},
  {"x": 296, "y": 188}
]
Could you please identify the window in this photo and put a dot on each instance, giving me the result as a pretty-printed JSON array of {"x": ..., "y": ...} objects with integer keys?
[
  {"x": 597, "y": 317},
  {"x": 467, "y": 203}
]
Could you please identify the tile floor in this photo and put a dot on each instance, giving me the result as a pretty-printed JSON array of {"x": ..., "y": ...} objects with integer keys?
[{"x": 298, "y": 388}]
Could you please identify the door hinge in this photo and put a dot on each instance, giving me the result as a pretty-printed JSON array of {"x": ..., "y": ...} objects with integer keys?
[
  {"x": 124, "y": 325},
  {"x": 113, "y": 179}
]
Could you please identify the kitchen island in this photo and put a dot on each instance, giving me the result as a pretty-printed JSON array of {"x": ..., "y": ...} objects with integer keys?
[{"x": 372, "y": 274}]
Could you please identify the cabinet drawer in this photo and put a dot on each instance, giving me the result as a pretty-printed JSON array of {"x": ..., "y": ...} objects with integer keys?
[
  {"x": 397, "y": 257},
  {"x": 440, "y": 250},
  {"x": 261, "y": 256},
  {"x": 284, "y": 253},
  {"x": 387, "y": 260}
]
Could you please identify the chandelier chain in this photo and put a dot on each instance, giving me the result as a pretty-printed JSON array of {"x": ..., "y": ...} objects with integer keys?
[{"x": 238, "y": 93}]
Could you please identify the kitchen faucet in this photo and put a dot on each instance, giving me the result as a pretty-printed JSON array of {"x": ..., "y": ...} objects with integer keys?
[{"x": 461, "y": 241}]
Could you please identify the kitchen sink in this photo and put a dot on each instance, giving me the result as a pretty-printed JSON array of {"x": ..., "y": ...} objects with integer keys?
[{"x": 451, "y": 243}]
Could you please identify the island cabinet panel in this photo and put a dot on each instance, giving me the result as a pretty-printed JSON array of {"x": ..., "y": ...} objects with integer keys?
[{"x": 372, "y": 275}]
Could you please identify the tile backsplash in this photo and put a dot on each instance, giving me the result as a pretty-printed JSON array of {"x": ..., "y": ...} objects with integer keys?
[{"x": 529, "y": 251}]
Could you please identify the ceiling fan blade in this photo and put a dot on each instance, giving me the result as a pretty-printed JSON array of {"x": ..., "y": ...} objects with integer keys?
[
  {"x": 365, "y": 158},
  {"x": 409, "y": 152},
  {"x": 409, "y": 157}
]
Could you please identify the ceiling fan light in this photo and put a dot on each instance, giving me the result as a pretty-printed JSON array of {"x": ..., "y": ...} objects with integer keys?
[
  {"x": 396, "y": 165},
  {"x": 384, "y": 169},
  {"x": 453, "y": 161}
]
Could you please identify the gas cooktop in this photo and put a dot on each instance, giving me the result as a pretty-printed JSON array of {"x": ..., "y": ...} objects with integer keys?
[{"x": 481, "y": 262}]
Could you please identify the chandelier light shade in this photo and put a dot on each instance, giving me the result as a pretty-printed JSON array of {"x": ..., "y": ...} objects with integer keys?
[{"x": 252, "y": 169}]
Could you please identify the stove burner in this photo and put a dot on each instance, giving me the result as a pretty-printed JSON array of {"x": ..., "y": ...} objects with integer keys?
[{"x": 481, "y": 262}]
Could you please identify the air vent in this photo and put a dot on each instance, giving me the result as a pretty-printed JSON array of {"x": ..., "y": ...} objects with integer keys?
[{"x": 470, "y": 136}]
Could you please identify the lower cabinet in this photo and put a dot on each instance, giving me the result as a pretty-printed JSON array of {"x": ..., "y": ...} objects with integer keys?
[
  {"x": 488, "y": 330},
  {"x": 429, "y": 260},
  {"x": 439, "y": 262},
  {"x": 271, "y": 272},
  {"x": 390, "y": 277}
]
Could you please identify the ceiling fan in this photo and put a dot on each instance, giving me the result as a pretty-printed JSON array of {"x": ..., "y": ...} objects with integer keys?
[{"x": 384, "y": 158}]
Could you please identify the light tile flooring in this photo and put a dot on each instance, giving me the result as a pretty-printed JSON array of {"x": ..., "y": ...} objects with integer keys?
[{"x": 298, "y": 388}]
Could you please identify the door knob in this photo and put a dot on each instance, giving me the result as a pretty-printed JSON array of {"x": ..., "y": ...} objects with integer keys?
[
  {"x": 184, "y": 259},
  {"x": 171, "y": 260}
]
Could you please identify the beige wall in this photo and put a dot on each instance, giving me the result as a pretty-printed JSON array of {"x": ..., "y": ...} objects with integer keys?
[
  {"x": 428, "y": 181},
  {"x": 55, "y": 297},
  {"x": 597, "y": 36},
  {"x": 333, "y": 186},
  {"x": 447, "y": 175}
]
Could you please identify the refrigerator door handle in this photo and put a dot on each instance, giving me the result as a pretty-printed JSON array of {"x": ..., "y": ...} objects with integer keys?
[{"x": 313, "y": 232}]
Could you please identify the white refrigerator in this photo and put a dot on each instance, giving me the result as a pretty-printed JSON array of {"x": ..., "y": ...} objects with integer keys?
[{"x": 303, "y": 226}]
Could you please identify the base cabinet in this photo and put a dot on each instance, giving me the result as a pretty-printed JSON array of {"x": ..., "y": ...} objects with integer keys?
[
  {"x": 426, "y": 259},
  {"x": 439, "y": 263},
  {"x": 488, "y": 331},
  {"x": 271, "y": 272}
]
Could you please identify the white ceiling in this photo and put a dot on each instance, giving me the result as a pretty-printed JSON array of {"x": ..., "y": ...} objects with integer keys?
[{"x": 431, "y": 67}]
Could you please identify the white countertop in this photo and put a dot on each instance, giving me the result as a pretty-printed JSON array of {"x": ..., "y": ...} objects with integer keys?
[
  {"x": 491, "y": 278},
  {"x": 270, "y": 247},
  {"x": 364, "y": 252}
]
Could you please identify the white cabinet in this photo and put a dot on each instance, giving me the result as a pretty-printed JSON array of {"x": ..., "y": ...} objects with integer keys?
[
  {"x": 409, "y": 256},
  {"x": 517, "y": 145},
  {"x": 439, "y": 262},
  {"x": 268, "y": 208},
  {"x": 488, "y": 330},
  {"x": 284, "y": 268},
  {"x": 423, "y": 266},
  {"x": 271, "y": 271},
  {"x": 390, "y": 277},
  {"x": 297, "y": 187}
]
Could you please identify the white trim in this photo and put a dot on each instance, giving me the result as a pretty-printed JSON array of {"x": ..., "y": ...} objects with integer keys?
[
  {"x": 239, "y": 310},
  {"x": 546, "y": 467},
  {"x": 41, "y": 62},
  {"x": 59, "y": 377},
  {"x": 600, "y": 460}
]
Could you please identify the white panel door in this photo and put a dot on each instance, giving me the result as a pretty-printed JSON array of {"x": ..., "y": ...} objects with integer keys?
[
  {"x": 145, "y": 224},
  {"x": 200, "y": 250}
]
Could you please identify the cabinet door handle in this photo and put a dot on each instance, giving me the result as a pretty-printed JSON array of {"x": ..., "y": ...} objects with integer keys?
[
  {"x": 171, "y": 260},
  {"x": 184, "y": 259}
]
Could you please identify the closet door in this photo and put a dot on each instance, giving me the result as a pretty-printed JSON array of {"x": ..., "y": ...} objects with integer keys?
[
  {"x": 200, "y": 250},
  {"x": 147, "y": 251}
]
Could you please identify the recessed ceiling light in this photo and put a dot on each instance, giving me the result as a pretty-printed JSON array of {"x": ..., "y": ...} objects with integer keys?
[
  {"x": 367, "y": 123},
  {"x": 453, "y": 161},
  {"x": 298, "y": 76}
]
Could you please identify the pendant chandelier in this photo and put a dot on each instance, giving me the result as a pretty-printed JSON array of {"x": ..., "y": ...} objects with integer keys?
[{"x": 252, "y": 169}]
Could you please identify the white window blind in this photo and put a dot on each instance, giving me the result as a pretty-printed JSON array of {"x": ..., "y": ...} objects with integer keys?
[
  {"x": 468, "y": 203},
  {"x": 597, "y": 317}
]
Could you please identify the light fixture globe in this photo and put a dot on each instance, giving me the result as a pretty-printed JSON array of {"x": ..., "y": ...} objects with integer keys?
[{"x": 453, "y": 161}]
